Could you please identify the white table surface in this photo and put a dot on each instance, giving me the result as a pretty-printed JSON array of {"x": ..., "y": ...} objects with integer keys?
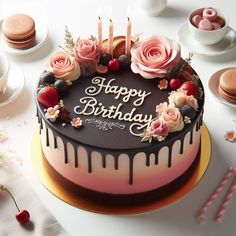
[{"x": 19, "y": 121}]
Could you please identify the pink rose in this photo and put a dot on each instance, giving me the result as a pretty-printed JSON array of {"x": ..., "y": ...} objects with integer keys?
[
  {"x": 86, "y": 51},
  {"x": 161, "y": 107},
  {"x": 173, "y": 119},
  {"x": 63, "y": 66},
  {"x": 155, "y": 56},
  {"x": 159, "y": 128}
]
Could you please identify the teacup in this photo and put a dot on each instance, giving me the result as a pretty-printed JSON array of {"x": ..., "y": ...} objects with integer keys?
[
  {"x": 208, "y": 37},
  {"x": 153, "y": 7},
  {"x": 4, "y": 71}
]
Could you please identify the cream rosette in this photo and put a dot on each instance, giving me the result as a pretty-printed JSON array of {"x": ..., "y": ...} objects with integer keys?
[
  {"x": 63, "y": 66},
  {"x": 154, "y": 57},
  {"x": 179, "y": 99},
  {"x": 173, "y": 119}
]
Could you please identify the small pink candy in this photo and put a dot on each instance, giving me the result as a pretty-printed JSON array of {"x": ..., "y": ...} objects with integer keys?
[
  {"x": 196, "y": 19},
  {"x": 221, "y": 21},
  {"x": 205, "y": 24},
  {"x": 216, "y": 25},
  {"x": 209, "y": 13}
]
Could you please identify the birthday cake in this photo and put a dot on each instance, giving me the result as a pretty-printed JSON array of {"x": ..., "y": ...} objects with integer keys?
[{"x": 122, "y": 129}]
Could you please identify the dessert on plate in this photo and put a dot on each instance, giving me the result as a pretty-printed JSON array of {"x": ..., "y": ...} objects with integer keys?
[{"x": 19, "y": 31}]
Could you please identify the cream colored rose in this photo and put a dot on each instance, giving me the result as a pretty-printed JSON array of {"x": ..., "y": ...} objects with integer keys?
[
  {"x": 63, "y": 66},
  {"x": 173, "y": 119},
  {"x": 179, "y": 99}
]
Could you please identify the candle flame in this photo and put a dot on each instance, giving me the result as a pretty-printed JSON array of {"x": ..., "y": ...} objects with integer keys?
[
  {"x": 110, "y": 13},
  {"x": 99, "y": 11},
  {"x": 128, "y": 11}
]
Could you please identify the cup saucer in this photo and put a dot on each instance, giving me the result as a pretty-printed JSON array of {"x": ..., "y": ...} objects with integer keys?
[
  {"x": 192, "y": 45},
  {"x": 15, "y": 85},
  {"x": 213, "y": 85}
]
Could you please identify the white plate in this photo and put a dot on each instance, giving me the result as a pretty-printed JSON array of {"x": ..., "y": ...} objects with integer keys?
[
  {"x": 220, "y": 48},
  {"x": 41, "y": 36},
  {"x": 15, "y": 85},
  {"x": 213, "y": 84}
]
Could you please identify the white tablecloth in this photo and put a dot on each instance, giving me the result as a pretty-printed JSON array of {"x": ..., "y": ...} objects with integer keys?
[{"x": 18, "y": 119}]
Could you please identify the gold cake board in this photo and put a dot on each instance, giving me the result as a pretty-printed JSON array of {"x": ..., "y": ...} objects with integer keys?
[{"x": 82, "y": 203}]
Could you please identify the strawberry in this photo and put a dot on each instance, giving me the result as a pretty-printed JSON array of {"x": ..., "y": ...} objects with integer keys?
[
  {"x": 190, "y": 88},
  {"x": 175, "y": 83},
  {"x": 48, "y": 96}
]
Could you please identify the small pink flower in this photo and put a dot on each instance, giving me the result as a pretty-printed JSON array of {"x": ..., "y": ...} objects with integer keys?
[
  {"x": 154, "y": 57},
  {"x": 102, "y": 69},
  {"x": 161, "y": 107},
  {"x": 76, "y": 122},
  {"x": 163, "y": 84},
  {"x": 52, "y": 113},
  {"x": 63, "y": 66},
  {"x": 159, "y": 128},
  {"x": 173, "y": 119},
  {"x": 230, "y": 136}
]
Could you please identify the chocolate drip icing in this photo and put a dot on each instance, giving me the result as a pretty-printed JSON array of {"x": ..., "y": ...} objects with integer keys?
[
  {"x": 65, "y": 152},
  {"x": 156, "y": 158},
  {"x": 148, "y": 159},
  {"x": 116, "y": 156},
  {"x": 200, "y": 120},
  {"x": 40, "y": 125},
  {"x": 116, "y": 160},
  {"x": 181, "y": 150},
  {"x": 89, "y": 161},
  {"x": 170, "y": 156},
  {"x": 47, "y": 137},
  {"x": 191, "y": 137},
  {"x": 76, "y": 156},
  {"x": 131, "y": 169},
  {"x": 55, "y": 141},
  {"x": 104, "y": 161}
]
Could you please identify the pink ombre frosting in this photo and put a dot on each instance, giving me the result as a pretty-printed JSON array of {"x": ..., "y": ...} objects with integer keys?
[
  {"x": 155, "y": 56},
  {"x": 63, "y": 66}
]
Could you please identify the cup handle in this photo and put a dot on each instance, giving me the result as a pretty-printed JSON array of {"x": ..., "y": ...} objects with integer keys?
[{"x": 230, "y": 29}]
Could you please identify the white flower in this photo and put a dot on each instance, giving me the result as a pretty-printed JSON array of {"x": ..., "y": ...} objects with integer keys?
[{"x": 52, "y": 113}]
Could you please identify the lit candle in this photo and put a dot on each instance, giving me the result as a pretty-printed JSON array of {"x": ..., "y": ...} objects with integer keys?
[
  {"x": 99, "y": 33},
  {"x": 110, "y": 39},
  {"x": 128, "y": 38}
]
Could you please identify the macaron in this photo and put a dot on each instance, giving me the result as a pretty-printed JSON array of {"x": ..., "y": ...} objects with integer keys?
[
  {"x": 19, "y": 31},
  {"x": 227, "y": 85}
]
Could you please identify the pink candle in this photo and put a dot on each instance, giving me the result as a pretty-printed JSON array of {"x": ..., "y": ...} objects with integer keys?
[
  {"x": 128, "y": 38},
  {"x": 99, "y": 33},
  {"x": 110, "y": 39}
]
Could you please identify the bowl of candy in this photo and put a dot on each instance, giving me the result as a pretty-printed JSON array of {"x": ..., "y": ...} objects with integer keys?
[{"x": 208, "y": 25}]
